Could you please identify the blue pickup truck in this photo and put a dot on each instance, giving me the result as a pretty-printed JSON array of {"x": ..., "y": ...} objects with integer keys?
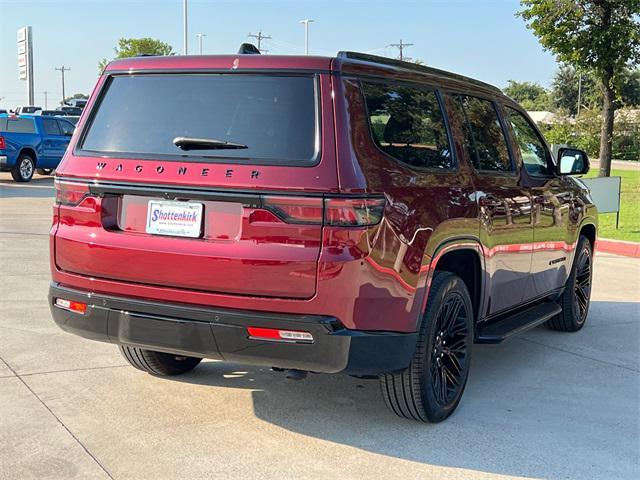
[{"x": 30, "y": 143}]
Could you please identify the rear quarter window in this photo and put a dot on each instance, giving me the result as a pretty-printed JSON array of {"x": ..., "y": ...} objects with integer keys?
[
  {"x": 18, "y": 125},
  {"x": 274, "y": 116}
]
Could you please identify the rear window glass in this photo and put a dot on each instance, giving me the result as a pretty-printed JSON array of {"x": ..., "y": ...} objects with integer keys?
[
  {"x": 17, "y": 125},
  {"x": 273, "y": 118}
]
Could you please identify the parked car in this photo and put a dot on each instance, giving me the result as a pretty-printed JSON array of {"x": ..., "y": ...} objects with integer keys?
[
  {"x": 77, "y": 102},
  {"x": 352, "y": 214},
  {"x": 30, "y": 143},
  {"x": 26, "y": 109},
  {"x": 76, "y": 111},
  {"x": 55, "y": 113},
  {"x": 72, "y": 118}
]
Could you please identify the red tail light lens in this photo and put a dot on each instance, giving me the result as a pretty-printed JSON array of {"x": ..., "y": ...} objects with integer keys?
[
  {"x": 353, "y": 212},
  {"x": 3, "y": 144},
  {"x": 307, "y": 210},
  {"x": 70, "y": 193},
  {"x": 344, "y": 212}
]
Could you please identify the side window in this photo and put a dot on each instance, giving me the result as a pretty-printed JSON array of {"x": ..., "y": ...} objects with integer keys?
[
  {"x": 21, "y": 125},
  {"x": 484, "y": 137},
  {"x": 50, "y": 126},
  {"x": 407, "y": 123},
  {"x": 66, "y": 127},
  {"x": 535, "y": 155}
]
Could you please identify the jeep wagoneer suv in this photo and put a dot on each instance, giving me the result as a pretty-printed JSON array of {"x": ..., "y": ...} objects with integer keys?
[{"x": 351, "y": 214}]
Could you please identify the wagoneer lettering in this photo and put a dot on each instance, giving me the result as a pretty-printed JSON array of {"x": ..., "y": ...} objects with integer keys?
[{"x": 353, "y": 215}]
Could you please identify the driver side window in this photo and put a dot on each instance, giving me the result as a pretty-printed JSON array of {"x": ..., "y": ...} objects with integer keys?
[{"x": 533, "y": 151}]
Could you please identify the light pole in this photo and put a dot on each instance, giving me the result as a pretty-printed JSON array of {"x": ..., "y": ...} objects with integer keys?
[
  {"x": 46, "y": 104},
  {"x": 184, "y": 27},
  {"x": 306, "y": 23},
  {"x": 199, "y": 37}
]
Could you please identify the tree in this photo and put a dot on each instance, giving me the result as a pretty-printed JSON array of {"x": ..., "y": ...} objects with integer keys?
[
  {"x": 133, "y": 47},
  {"x": 565, "y": 87},
  {"x": 530, "y": 95},
  {"x": 602, "y": 36}
]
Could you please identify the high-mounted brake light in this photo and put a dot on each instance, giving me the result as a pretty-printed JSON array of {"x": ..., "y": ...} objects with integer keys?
[
  {"x": 3, "y": 144},
  {"x": 343, "y": 212},
  {"x": 70, "y": 193},
  {"x": 71, "y": 306},
  {"x": 258, "y": 333}
]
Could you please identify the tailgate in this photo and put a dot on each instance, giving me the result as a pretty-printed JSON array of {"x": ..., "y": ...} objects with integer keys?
[{"x": 242, "y": 246}]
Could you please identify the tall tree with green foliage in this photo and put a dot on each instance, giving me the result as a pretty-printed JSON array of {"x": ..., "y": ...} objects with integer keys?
[
  {"x": 530, "y": 95},
  {"x": 602, "y": 36},
  {"x": 132, "y": 47},
  {"x": 566, "y": 87}
]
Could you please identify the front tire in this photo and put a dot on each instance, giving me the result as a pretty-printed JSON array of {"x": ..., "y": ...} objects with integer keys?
[
  {"x": 23, "y": 170},
  {"x": 576, "y": 297},
  {"x": 158, "y": 363},
  {"x": 430, "y": 389}
]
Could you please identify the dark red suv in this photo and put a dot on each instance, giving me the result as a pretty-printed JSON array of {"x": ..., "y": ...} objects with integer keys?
[{"x": 352, "y": 214}]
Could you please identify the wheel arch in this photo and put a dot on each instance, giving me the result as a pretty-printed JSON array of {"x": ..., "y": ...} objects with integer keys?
[
  {"x": 463, "y": 257},
  {"x": 589, "y": 230},
  {"x": 30, "y": 152}
]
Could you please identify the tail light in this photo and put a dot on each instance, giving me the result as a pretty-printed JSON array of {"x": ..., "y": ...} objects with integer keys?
[
  {"x": 342, "y": 212},
  {"x": 3, "y": 144},
  {"x": 70, "y": 193}
]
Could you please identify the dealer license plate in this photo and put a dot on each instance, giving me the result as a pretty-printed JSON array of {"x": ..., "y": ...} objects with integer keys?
[{"x": 178, "y": 219}]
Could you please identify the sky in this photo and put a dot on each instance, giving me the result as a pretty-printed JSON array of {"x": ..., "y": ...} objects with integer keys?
[{"x": 478, "y": 38}]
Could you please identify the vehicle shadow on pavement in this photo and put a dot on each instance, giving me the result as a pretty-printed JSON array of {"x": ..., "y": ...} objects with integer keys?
[
  {"x": 525, "y": 401},
  {"x": 38, "y": 187}
]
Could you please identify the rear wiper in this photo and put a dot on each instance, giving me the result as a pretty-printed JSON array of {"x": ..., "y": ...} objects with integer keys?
[{"x": 190, "y": 143}]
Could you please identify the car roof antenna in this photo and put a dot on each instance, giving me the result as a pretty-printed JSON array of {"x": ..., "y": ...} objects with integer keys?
[{"x": 248, "y": 49}]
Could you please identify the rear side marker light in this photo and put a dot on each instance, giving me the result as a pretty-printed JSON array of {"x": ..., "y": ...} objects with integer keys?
[
  {"x": 71, "y": 306},
  {"x": 3, "y": 144},
  {"x": 258, "y": 333},
  {"x": 70, "y": 193}
]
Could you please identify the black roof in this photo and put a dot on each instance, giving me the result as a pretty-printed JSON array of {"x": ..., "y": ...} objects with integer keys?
[{"x": 414, "y": 67}]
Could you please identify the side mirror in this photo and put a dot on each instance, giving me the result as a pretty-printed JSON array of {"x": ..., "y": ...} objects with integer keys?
[{"x": 572, "y": 161}]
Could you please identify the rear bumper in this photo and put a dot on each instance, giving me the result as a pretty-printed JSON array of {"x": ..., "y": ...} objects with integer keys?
[{"x": 222, "y": 334}]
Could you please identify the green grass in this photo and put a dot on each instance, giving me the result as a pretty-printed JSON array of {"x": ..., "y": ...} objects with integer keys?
[{"x": 629, "y": 228}]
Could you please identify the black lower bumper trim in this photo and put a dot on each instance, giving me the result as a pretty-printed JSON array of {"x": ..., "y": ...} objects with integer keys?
[{"x": 222, "y": 334}]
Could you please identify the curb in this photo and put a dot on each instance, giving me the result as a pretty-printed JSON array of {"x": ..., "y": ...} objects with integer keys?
[{"x": 618, "y": 247}]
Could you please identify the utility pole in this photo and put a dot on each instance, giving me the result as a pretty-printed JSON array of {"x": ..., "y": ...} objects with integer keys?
[
  {"x": 184, "y": 27},
  {"x": 260, "y": 37},
  {"x": 199, "y": 36},
  {"x": 62, "y": 70},
  {"x": 306, "y": 23},
  {"x": 401, "y": 46},
  {"x": 46, "y": 104}
]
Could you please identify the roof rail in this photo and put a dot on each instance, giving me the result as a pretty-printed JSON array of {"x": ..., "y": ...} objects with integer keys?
[{"x": 365, "y": 57}]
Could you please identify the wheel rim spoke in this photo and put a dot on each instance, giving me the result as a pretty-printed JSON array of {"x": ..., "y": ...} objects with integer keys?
[
  {"x": 449, "y": 351},
  {"x": 582, "y": 285}
]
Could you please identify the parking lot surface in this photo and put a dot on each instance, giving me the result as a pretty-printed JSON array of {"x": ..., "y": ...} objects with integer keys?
[{"x": 543, "y": 405}]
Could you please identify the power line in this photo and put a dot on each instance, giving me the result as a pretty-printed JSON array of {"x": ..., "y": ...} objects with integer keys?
[
  {"x": 62, "y": 70},
  {"x": 260, "y": 37},
  {"x": 401, "y": 46}
]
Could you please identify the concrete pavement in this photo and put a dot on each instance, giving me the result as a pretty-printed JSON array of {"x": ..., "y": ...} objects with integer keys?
[{"x": 544, "y": 405}]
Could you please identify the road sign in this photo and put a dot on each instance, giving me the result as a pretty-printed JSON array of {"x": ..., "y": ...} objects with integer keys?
[{"x": 25, "y": 59}]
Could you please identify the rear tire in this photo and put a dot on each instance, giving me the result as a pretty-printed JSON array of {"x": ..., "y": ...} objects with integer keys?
[
  {"x": 430, "y": 389},
  {"x": 23, "y": 170},
  {"x": 576, "y": 297},
  {"x": 158, "y": 363}
]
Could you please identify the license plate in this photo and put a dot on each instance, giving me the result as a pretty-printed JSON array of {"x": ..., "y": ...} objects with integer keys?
[{"x": 178, "y": 219}]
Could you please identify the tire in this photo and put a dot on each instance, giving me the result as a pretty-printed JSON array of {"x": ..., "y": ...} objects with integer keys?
[
  {"x": 576, "y": 297},
  {"x": 23, "y": 170},
  {"x": 416, "y": 393},
  {"x": 158, "y": 363},
  {"x": 44, "y": 171}
]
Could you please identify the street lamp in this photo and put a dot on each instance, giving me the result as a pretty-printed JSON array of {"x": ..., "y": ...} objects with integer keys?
[
  {"x": 306, "y": 23},
  {"x": 199, "y": 37}
]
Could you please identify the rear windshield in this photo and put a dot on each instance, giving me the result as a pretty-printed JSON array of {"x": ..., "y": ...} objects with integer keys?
[
  {"x": 272, "y": 117},
  {"x": 17, "y": 125}
]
